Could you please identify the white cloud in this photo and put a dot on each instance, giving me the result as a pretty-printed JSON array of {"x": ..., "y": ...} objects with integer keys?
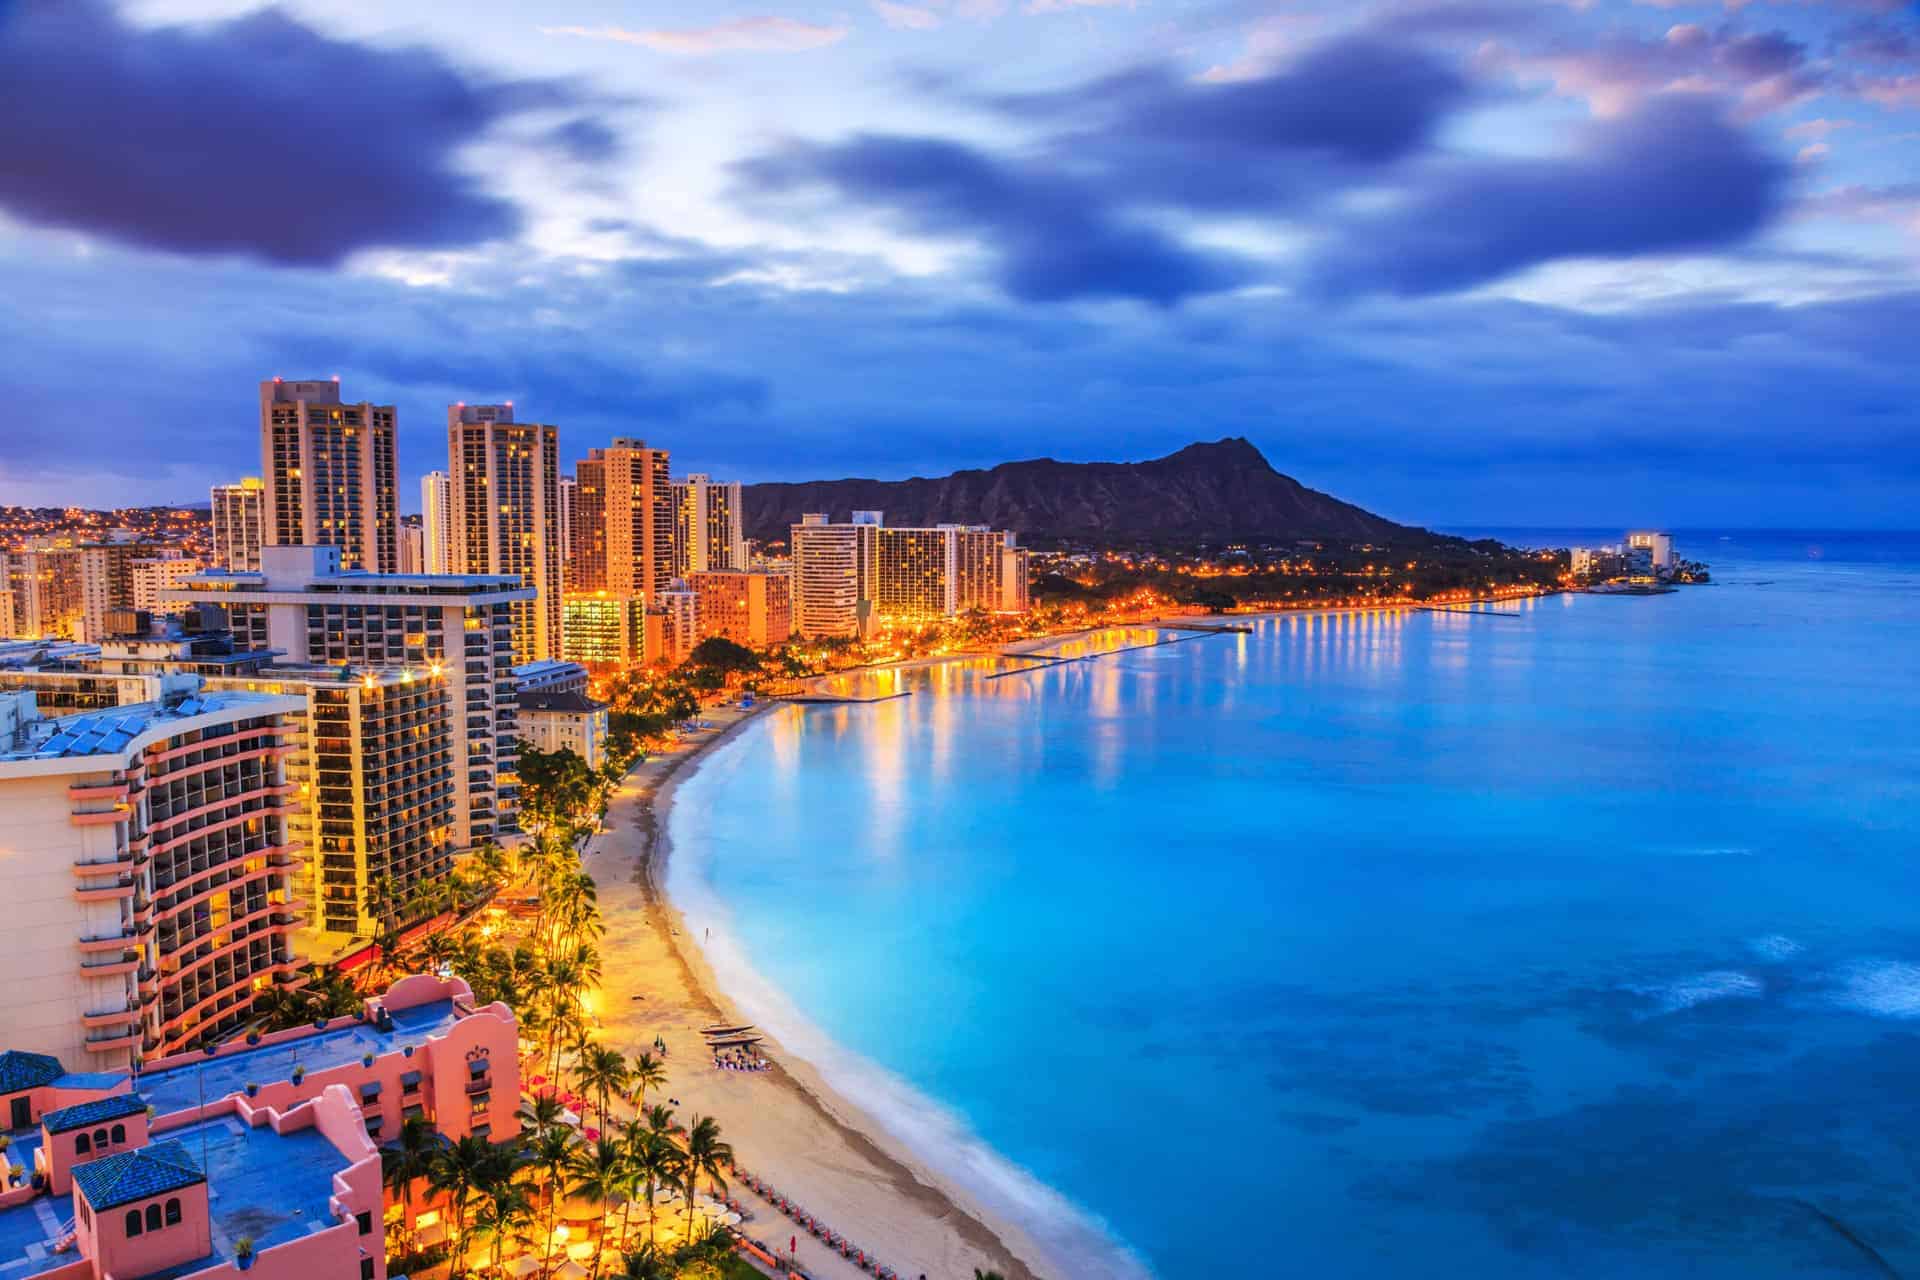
[
  {"x": 757, "y": 34},
  {"x": 906, "y": 17}
]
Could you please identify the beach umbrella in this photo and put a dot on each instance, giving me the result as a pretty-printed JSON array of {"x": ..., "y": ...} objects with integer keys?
[
  {"x": 524, "y": 1265},
  {"x": 571, "y": 1270}
]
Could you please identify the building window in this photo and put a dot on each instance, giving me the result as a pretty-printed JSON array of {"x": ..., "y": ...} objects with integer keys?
[
  {"x": 99, "y": 1139},
  {"x": 173, "y": 1212},
  {"x": 133, "y": 1222},
  {"x": 119, "y": 1134},
  {"x": 153, "y": 1217},
  {"x": 365, "y": 1220},
  {"x": 366, "y": 1269},
  {"x": 82, "y": 1144}
]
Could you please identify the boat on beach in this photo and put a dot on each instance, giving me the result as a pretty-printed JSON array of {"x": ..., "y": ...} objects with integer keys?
[{"x": 718, "y": 1030}]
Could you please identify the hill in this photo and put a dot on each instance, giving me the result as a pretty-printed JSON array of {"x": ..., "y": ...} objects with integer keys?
[{"x": 1225, "y": 491}]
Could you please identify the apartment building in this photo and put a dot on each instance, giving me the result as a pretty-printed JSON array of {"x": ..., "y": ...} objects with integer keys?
[
  {"x": 504, "y": 513},
  {"x": 329, "y": 471},
  {"x": 623, "y": 520},
  {"x": 436, "y": 515},
  {"x": 604, "y": 630},
  {"x": 314, "y": 613},
  {"x": 148, "y": 860},
  {"x": 239, "y": 523},
  {"x": 707, "y": 532},
  {"x": 754, "y": 609},
  {"x": 834, "y": 568}
]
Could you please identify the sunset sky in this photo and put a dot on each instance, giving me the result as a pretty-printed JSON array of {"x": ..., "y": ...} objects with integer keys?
[{"x": 1463, "y": 263}]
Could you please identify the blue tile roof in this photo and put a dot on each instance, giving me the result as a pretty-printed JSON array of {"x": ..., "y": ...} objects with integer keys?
[
  {"x": 82, "y": 1114},
  {"x": 21, "y": 1070},
  {"x": 136, "y": 1175}
]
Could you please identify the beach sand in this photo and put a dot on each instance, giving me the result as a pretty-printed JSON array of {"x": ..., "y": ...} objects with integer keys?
[{"x": 786, "y": 1125}]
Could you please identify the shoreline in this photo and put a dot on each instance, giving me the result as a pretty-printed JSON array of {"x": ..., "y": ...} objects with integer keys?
[{"x": 788, "y": 1124}]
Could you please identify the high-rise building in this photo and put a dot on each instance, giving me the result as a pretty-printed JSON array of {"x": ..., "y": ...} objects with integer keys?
[
  {"x": 239, "y": 524},
  {"x": 849, "y": 577},
  {"x": 623, "y": 520},
  {"x": 374, "y": 772},
  {"x": 569, "y": 495},
  {"x": 106, "y": 583},
  {"x": 707, "y": 534},
  {"x": 833, "y": 577},
  {"x": 754, "y": 609},
  {"x": 673, "y": 624},
  {"x": 330, "y": 472},
  {"x": 604, "y": 630},
  {"x": 413, "y": 548},
  {"x": 304, "y": 605},
  {"x": 1657, "y": 546},
  {"x": 505, "y": 513},
  {"x": 436, "y": 520},
  {"x": 156, "y": 574},
  {"x": 45, "y": 582},
  {"x": 147, "y": 862}
]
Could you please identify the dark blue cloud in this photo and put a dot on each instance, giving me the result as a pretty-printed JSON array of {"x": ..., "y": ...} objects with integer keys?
[
  {"x": 1054, "y": 237},
  {"x": 256, "y": 136},
  {"x": 1672, "y": 177}
]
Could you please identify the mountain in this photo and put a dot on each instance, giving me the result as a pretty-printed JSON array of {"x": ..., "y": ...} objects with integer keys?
[{"x": 1225, "y": 491}]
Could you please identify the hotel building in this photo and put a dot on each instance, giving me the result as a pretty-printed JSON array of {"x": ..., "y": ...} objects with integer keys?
[
  {"x": 847, "y": 578},
  {"x": 623, "y": 520},
  {"x": 436, "y": 507},
  {"x": 164, "y": 1171},
  {"x": 604, "y": 630},
  {"x": 148, "y": 862},
  {"x": 305, "y": 606},
  {"x": 569, "y": 498},
  {"x": 673, "y": 625},
  {"x": 152, "y": 576},
  {"x": 413, "y": 548},
  {"x": 570, "y": 721},
  {"x": 504, "y": 516},
  {"x": 329, "y": 470},
  {"x": 239, "y": 523},
  {"x": 833, "y": 576},
  {"x": 1656, "y": 547},
  {"x": 707, "y": 534},
  {"x": 754, "y": 609}
]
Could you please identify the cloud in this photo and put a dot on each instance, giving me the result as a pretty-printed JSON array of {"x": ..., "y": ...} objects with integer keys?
[
  {"x": 1672, "y": 177},
  {"x": 757, "y": 34},
  {"x": 257, "y": 136},
  {"x": 1052, "y": 237},
  {"x": 1764, "y": 71},
  {"x": 1061, "y": 6},
  {"x": 1821, "y": 129},
  {"x": 906, "y": 17}
]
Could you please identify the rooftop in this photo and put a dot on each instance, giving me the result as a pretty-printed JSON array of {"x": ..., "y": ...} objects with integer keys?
[
  {"x": 112, "y": 731},
  {"x": 83, "y": 1114},
  {"x": 571, "y": 700},
  {"x": 273, "y": 1187},
  {"x": 22, "y": 1070},
  {"x": 182, "y": 1087},
  {"x": 135, "y": 1175}
]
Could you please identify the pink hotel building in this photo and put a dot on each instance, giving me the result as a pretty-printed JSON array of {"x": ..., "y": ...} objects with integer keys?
[{"x": 271, "y": 1140}]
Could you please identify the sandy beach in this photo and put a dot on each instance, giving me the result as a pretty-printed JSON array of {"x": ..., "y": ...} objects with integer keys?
[{"x": 786, "y": 1125}]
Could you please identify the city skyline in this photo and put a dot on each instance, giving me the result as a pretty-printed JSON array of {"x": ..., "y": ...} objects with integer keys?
[{"x": 829, "y": 242}]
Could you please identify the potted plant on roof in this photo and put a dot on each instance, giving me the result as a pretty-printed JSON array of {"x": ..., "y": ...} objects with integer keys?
[
  {"x": 253, "y": 1089},
  {"x": 366, "y": 1059},
  {"x": 299, "y": 1073},
  {"x": 243, "y": 1252}
]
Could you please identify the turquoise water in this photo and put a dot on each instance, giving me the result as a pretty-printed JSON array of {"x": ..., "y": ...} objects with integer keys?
[{"x": 1581, "y": 941}]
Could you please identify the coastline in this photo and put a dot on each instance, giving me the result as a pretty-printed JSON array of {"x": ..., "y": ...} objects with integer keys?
[{"x": 788, "y": 1125}]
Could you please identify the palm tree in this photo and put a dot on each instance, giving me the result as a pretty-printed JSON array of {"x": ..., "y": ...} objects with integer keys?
[
  {"x": 646, "y": 1072},
  {"x": 504, "y": 1210},
  {"x": 708, "y": 1154},
  {"x": 543, "y": 1113},
  {"x": 645, "y": 1263},
  {"x": 604, "y": 1071},
  {"x": 597, "y": 1170},
  {"x": 457, "y": 1170},
  {"x": 652, "y": 1161},
  {"x": 407, "y": 1160},
  {"x": 551, "y": 1149}
]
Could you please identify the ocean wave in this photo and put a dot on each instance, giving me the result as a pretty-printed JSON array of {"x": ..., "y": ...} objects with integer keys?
[
  {"x": 1776, "y": 946},
  {"x": 1884, "y": 988},
  {"x": 1076, "y": 1241},
  {"x": 1698, "y": 989}
]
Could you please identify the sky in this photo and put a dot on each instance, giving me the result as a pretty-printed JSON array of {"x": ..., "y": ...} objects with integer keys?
[{"x": 1624, "y": 261}]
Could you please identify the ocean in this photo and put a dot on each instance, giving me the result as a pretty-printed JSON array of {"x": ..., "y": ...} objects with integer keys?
[{"x": 1580, "y": 938}]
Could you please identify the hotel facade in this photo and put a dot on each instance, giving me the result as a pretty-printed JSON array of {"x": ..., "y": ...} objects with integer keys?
[
  {"x": 623, "y": 520},
  {"x": 460, "y": 626},
  {"x": 239, "y": 524},
  {"x": 504, "y": 514},
  {"x": 849, "y": 579},
  {"x": 149, "y": 857},
  {"x": 754, "y": 609},
  {"x": 329, "y": 472}
]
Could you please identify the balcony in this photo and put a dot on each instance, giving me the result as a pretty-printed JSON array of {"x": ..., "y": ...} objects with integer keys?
[
  {"x": 115, "y": 791},
  {"x": 112, "y": 1041},
  {"x": 95, "y": 1021},
  {"x": 107, "y": 893},
  {"x": 112, "y": 942},
  {"x": 102, "y": 817},
  {"x": 119, "y": 867},
  {"x": 111, "y": 965}
]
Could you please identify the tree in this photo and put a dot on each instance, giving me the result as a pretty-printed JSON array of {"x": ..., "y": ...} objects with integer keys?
[
  {"x": 457, "y": 1170},
  {"x": 706, "y": 1154},
  {"x": 408, "y": 1159},
  {"x": 645, "y": 1263},
  {"x": 504, "y": 1211},
  {"x": 646, "y": 1072},
  {"x": 652, "y": 1161},
  {"x": 603, "y": 1071},
  {"x": 597, "y": 1171},
  {"x": 550, "y": 1149}
]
